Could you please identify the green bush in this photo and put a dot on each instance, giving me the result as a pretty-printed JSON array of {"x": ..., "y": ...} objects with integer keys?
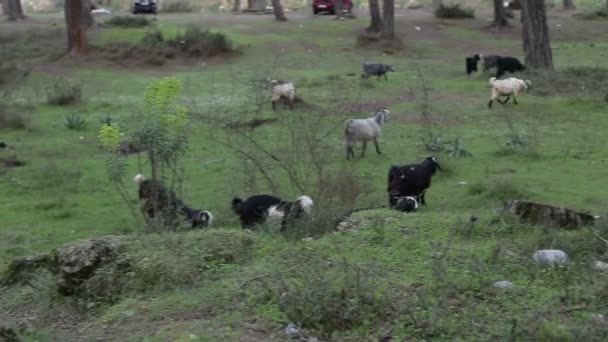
[
  {"x": 571, "y": 81},
  {"x": 64, "y": 93},
  {"x": 75, "y": 122},
  {"x": 454, "y": 12},
  {"x": 127, "y": 21},
  {"x": 195, "y": 42},
  {"x": 177, "y": 7},
  {"x": 13, "y": 120}
]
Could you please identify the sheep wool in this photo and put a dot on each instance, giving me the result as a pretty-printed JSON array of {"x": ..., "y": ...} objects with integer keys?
[{"x": 508, "y": 87}]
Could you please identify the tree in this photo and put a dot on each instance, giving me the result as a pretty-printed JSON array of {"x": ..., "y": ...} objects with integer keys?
[
  {"x": 12, "y": 9},
  {"x": 279, "y": 15},
  {"x": 376, "y": 20},
  {"x": 500, "y": 15},
  {"x": 535, "y": 34},
  {"x": 256, "y": 5},
  {"x": 569, "y": 4},
  {"x": 338, "y": 5},
  {"x": 76, "y": 27},
  {"x": 236, "y": 6},
  {"x": 388, "y": 27}
]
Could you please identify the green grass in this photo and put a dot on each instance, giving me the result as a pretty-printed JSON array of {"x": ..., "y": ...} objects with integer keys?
[{"x": 63, "y": 192}]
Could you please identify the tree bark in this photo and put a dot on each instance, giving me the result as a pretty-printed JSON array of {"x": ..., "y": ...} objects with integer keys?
[
  {"x": 76, "y": 27},
  {"x": 236, "y": 6},
  {"x": 279, "y": 15},
  {"x": 500, "y": 15},
  {"x": 86, "y": 13},
  {"x": 256, "y": 5},
  {"x": 376, "y": 20},
  {"x": 12, "y": 9},
  {"x": 388, "y": 27},
  {"x": 535, "y": 34},
  {"x": 569, "y": 4},
  {"x": 338, "y": 8}
]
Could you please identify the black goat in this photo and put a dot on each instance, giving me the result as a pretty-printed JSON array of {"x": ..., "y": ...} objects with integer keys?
[
  {"x": 157, "y": 200},
  {"x": 471, "y": 64},
  {"x": 260, "y": 208},
  {"x": 376, "y": 69},
  {"x": 489, "y": 62},
  {"x": 411, "y": 180},
  {"x": 510, "y": 64}
]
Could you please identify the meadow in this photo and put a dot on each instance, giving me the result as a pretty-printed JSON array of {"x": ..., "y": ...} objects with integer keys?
[{"x": 419, "y": 276}]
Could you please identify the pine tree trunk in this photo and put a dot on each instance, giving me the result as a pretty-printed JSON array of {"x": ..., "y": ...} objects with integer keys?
[
  {"x": 76, "y": 27},
  {"x": 500, "y": 15},
  {"x": 278, "y": 10},
  {"x": 12, "y": 9},
  {"x": 569, "y": 4},
  {"x": 388, "y": 27},
  {"x": 86, "y": 13},
  {"x": 535, "y": 34},
  {"x": 236, "y": 6},
  {"x": 376, "y": 19},
  {"x": 338, "y": 8}
]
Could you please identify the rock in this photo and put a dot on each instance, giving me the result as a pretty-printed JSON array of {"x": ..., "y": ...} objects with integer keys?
[
  {"x": 550, "y": 257},
  {"x": 76, "y": 262},
  {"x": 600, "y": 266},
  {"x": 503, "y": 284},
  {"x": 539, "y": 213},
  {"x": 20, "y": 268},
  {"x": 293, "y": 331}
]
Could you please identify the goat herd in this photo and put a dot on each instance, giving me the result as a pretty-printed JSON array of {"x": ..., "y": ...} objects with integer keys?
[{"x": 407, "y": 184}]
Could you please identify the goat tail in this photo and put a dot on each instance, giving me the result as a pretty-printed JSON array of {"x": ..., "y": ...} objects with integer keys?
[
  {"x": 139, "y": 178},
  {"x": 236, "y": 205}
]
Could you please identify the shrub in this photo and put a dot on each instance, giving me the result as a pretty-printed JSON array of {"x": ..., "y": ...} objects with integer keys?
[
  {"x": 75, "y": 122},
  {"x": 153, "y": 38},
  {"x": 597, "y": 14},
  {"x": 64, "y": 93},
  {"x": 127, "y": 21},
  {"x": 454, "y": 12},
  {"x": 12, "y": 120},
  {"x": 195, "y": 42},
  {"x": 177, "y": 7},
  {"x": 571, "y": 81}
]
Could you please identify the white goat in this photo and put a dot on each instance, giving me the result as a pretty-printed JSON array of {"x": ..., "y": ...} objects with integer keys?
[
  {"x": 282, "y": 89},
  {"x": 364, "y": 130},
  {"x": 508, "y": 87}
]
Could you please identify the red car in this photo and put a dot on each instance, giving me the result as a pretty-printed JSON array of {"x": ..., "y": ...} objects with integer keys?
[{"x": 328, "y": 6}]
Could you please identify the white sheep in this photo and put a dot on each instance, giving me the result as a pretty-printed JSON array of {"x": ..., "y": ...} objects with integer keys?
[
  {"x": 364, "y": 130},
  {"x": 508, "y": 87},
  {"x": 282, "y": 89}
]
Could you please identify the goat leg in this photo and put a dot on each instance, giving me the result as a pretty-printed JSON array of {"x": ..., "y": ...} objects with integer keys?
[
  {"x": 274, "y": 105},
  {"x": 514, "y": 100},
  {"x": 490, "y": 104},
  {"x": 363, "y": 149},
  {"x": 377, "y": 147}
]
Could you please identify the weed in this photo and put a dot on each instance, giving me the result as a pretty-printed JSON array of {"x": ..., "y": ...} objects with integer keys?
[
  {"x": 75, "y": 122},
  {"x": 196, "y": 42},
  {"x": 127, "y": 21},
  {"x": 107, "y": 120},
  {"x": 64, "y": 92},
  {"x": 571, "y": 81},
  {"x": 454, "y": 12}
]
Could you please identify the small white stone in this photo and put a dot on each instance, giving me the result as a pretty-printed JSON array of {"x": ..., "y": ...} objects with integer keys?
[
  {"x": 307, "y": 239},
  {"x": 503, "y": 284},
  {"x": 81, "y": 138},
  {"x": 558, "y": 25},
  {"x": 463, "y": 182},
  {"x": 600, "y": 266},
  {"x": 417, "y": 28},
  {"x": 550, "y": 257}
]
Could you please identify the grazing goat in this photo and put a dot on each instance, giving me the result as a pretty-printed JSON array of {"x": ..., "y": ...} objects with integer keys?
[
  {"x": 157, "y": 200},
  {"x": 411, "y": 180},
  {"x": 510, "y": 64},
  {"x": 508, "y": 87},
  {"x": 266, "y": 208},
  {"x": 376, "y": 69},
  {"x": 282, "y": 90},
  {"x": 471, "y": 64},
  {"x": 489, "y": 61},
  {"x": 364, "y": 130}
]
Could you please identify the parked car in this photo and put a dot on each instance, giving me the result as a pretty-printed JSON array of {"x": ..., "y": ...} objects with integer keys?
[
  {"x": 144, "y": 6},
  {"x": 319, "y": 6}
]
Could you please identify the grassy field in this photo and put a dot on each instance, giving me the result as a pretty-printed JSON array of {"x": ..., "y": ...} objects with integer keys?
[{"x": 417, "y": 276}]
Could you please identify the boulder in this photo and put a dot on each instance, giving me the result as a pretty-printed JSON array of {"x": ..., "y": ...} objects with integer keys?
[
  {"x": 540, "y": 213},
  {"x": 600, "y": 266},
  {"x": 550, "y": 257},
  {"x": 503, "y": 284}
]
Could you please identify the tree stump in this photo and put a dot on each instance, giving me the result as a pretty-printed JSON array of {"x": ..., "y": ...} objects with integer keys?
[{"x": 546, "y": 214}]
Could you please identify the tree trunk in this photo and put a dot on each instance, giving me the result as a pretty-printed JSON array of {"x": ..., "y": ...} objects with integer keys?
[
  {"x": 76, "y": 27},
  {"x": 569, "y": 4},
  {"x": 278, "y": 10},
  {"x": 500, "y": 15},
  {"x": 236, "y": 6},
  {"x": 388, "y": 27},
  {"x": 338, "y": 8},
  {"x": 535, "y": 34},
  {"x": 376, "y": 19},
  {"x": 12, "y": 9},
  {"x": 87, "y": 16},
  {"x": 256, "y": 5}
]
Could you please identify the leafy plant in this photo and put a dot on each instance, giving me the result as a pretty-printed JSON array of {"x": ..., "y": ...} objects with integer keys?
[
  {"x": 64, "y": 92},
  {"x": 456, "y": 150},
  {"x": 106, "y": 121},
  {"x": 75, "y": 122},
  {"x": 454, "y": 12}
]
